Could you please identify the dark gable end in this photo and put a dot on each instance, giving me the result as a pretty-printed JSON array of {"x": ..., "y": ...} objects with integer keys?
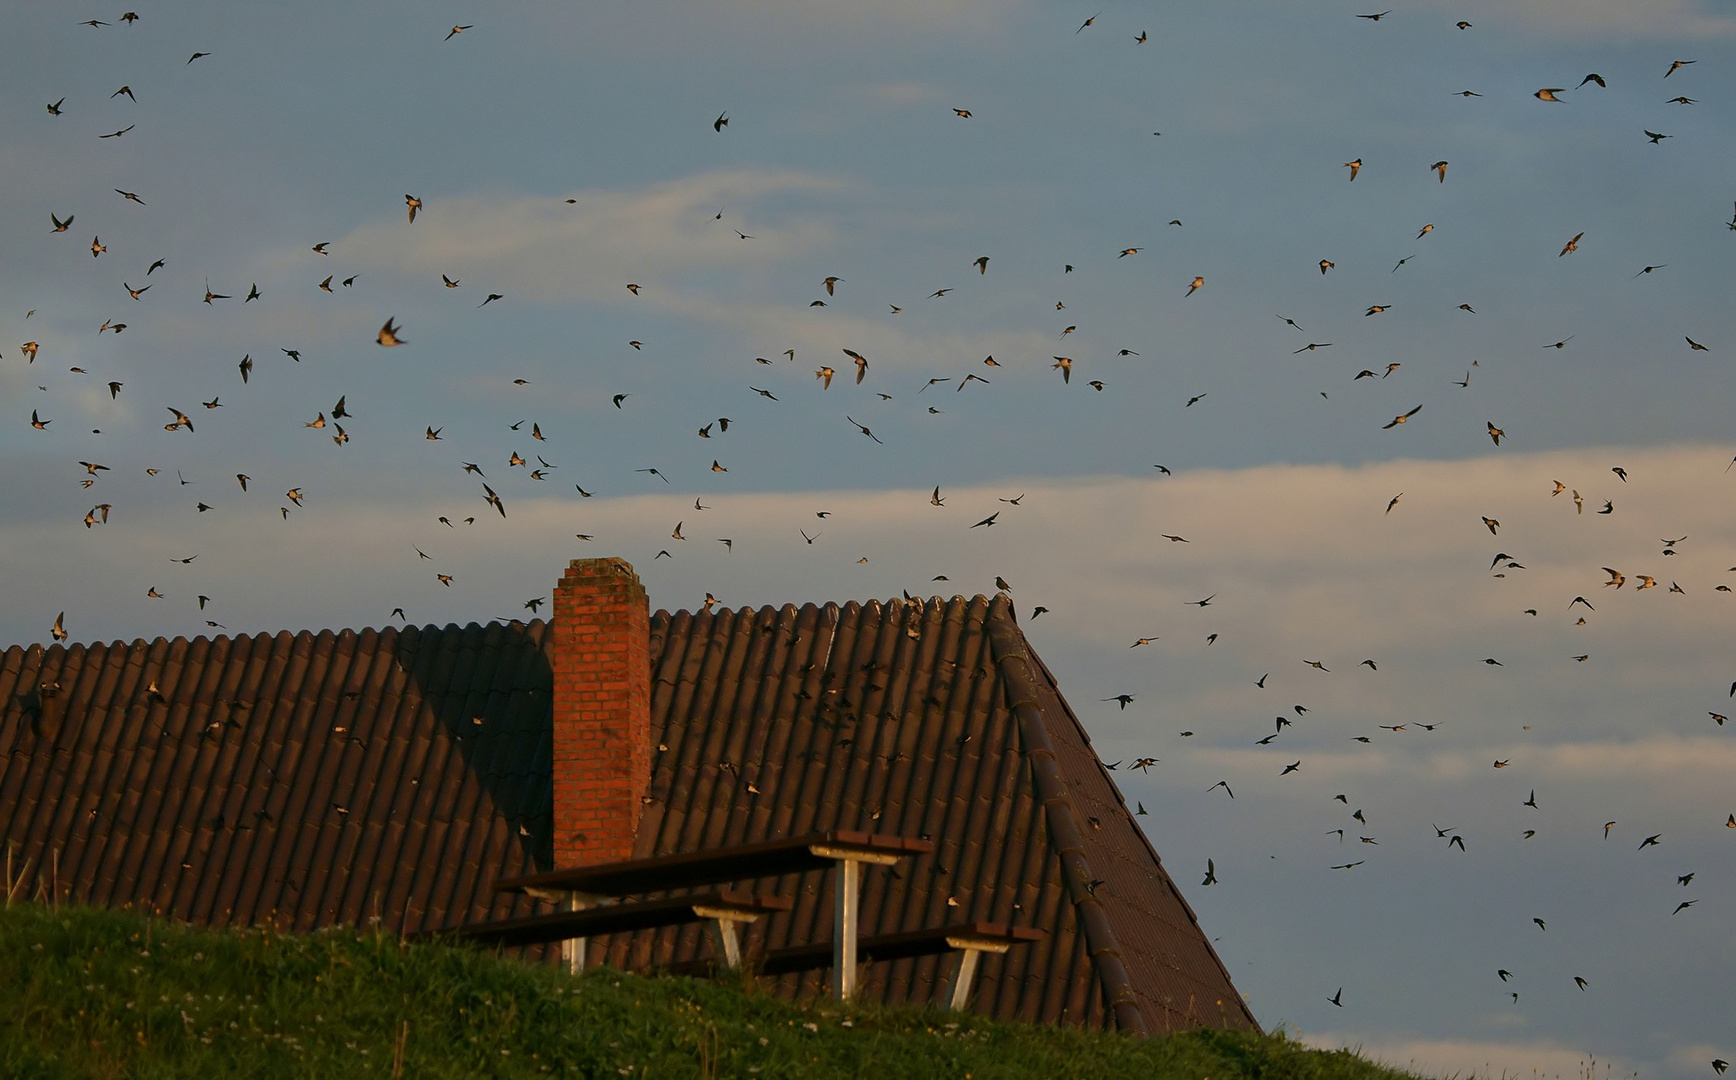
[{"x": 328, "y": 779}]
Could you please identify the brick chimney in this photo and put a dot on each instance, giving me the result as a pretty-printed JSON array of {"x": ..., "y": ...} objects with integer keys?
[{"x": 602, "y": 711}]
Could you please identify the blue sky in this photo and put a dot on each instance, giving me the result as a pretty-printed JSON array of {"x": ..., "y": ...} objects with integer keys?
[{"x": 562, "y": 152}]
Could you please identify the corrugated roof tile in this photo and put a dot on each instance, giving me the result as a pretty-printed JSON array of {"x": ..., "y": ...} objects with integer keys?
[{"x": 332, "y": 777}]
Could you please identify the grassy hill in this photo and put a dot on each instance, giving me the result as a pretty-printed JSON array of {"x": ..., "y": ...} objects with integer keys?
[{"x": 93, "y": 993}]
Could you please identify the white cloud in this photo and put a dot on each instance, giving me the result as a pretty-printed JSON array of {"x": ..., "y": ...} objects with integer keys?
[
  {"x": 545, "y": 248},
  {"x": 1670, "y": 762},
  {"x": 886, "y": 343},
  {"x": 1668, "y": 758},
  {"x": 591, "y": 247},
  {"x": 1303, "y": 553},
  {"x": 1304, "y": 562}
]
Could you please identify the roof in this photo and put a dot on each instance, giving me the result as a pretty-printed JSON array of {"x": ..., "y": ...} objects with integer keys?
[
  {"x": 396, "y": 774},
  {"x": 305, "y": 779}
]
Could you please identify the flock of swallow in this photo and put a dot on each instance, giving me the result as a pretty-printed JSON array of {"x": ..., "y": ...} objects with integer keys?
[{"x": 137, "y": 280}]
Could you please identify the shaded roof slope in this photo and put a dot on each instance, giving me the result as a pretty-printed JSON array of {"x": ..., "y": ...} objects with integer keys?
[{"x": 333, "y": 778}]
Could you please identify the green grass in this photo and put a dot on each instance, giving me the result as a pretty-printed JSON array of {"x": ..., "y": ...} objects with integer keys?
[{"x": 95, "y": 993}]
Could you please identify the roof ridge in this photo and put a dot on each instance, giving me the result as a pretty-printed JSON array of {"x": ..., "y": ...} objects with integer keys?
[
  {"x": 918, "y": 602},
  {"x": 37, "y": 648},
  {"x": 1013, "y": 662}
]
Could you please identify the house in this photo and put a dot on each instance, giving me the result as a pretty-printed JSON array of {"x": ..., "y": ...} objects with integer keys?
[{"x": 391, "y": 777}]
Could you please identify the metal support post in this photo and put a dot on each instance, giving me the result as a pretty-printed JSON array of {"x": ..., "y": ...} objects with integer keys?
[
  {"x": 573, "y": 949},
  {"x": 961, "y": 985},
  {"x": 726, "y": 923},
  {"x": 970, "y": 950},
  {"x": 844, "y": 927},
  {"x": 729, "y": 933}
]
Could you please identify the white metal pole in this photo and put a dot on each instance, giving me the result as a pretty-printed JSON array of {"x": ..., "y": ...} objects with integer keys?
[
  {"x": 573, "y": 949},
  {"x": 844, "y": 927},
  {"x": 729, "y": 931},
  {"x": 961, "y": 986}
]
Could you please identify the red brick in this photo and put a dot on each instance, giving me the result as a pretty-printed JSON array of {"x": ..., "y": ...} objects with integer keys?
[{"x": 602, "y": 712}]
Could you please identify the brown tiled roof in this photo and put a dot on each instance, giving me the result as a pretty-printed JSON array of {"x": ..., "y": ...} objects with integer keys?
[
  {"x": 338, "y": 777},
  {"x": 308, "y": 779}
]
